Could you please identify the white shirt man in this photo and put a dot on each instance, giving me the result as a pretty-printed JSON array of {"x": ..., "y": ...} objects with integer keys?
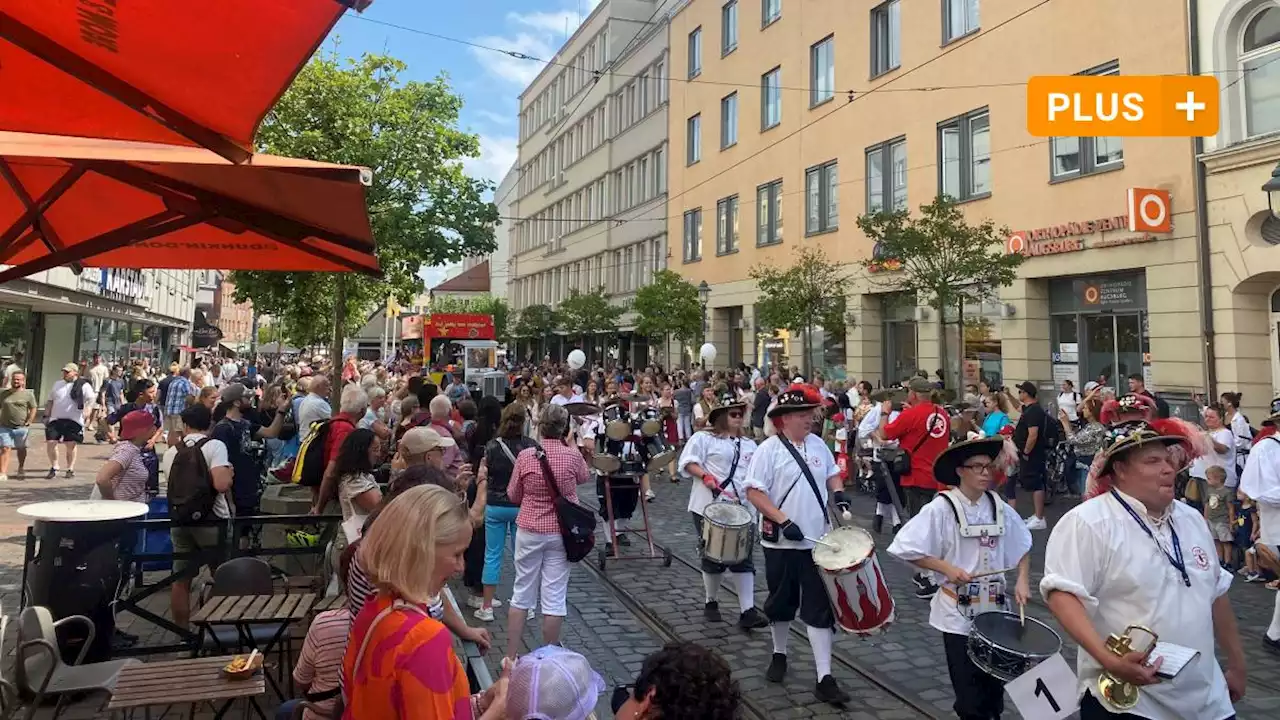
[
  {"x": 1260, "y": 481},
  {"x": 65, "y": 406},
  {"x": 313, "y": 409},
  {"x": 98, "y": 375},
  {"x": 215, "y": 456}
]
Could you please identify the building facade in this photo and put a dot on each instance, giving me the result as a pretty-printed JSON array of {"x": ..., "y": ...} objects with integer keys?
[
  {"x": 1236, "y": 40},
  {"x": 58, "y": 316},
  {"x": 591, "y": 191},
  {"x": 234, "y": 319},
  {"x": 798, "y": 117}
]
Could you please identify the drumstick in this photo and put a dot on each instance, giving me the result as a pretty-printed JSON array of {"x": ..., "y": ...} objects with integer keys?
[
  {"x": 1022, "y": 614},
  {"x": 823, "y": 542},
  {"x": 989, "y": 572}
]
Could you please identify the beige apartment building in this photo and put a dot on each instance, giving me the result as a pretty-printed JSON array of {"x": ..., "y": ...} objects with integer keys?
[
  {"x": 797, "y": 117},
  {"x": 591, "y": 192}
]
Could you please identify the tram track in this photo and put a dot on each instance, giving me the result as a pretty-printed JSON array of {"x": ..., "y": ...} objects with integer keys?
[{"x": 660, "y": 628}]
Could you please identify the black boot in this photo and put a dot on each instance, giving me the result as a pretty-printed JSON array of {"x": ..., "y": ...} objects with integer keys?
[
  {"x": 752, "y": 619},
  {"x": 711, "y": 612},
  {"x": 877, "y": 524},
  {"x": 828, "y": 692},
  {"x": 777, "y": 668}
]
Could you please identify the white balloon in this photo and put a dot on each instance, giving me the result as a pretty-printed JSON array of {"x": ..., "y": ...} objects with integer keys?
[
  {"x": 577, "y": 359},
  {"x": 707, "y": 352}
]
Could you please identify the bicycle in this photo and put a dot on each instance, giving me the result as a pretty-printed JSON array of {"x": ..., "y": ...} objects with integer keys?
[{"x": 1061, "y": 467}]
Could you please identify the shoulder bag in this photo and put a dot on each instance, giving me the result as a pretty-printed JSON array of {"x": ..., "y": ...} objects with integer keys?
[
  {"x": 577, "y": 524},
  {"x": 902, "y": 460},
  {"x": 768, "y": 529}
]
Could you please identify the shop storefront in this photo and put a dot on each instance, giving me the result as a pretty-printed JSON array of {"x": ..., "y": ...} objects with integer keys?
[
  {"x": 901, "y": 342},
  {"x": 1099, "y": 328}
]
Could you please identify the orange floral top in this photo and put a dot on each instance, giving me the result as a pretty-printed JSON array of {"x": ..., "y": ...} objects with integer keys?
[{"x": 409, "y": 670}]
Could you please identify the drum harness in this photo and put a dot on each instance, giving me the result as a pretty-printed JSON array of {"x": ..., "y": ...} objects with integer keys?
[
  {"x": 974, "y": 599},
  {"x": 733, "y": 468}
]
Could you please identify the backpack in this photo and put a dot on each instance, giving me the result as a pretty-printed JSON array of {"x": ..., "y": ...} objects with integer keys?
[
  {"x": 77, "y": 391},
  {"x": 1052, "y": 432},
  {"x": 190, "y": 490},
  {"x": 308, "y": 469}
]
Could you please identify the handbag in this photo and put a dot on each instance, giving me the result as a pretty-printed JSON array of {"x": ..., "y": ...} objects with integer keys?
[
  {"x": 901, "y": 463},
  {"x": 577, "y": 524}
]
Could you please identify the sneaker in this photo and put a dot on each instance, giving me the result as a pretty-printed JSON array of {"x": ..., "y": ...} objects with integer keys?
[
  {"x": 752, "y": 619},
  {"x": 4, "y": 478},
  {"x": 711, "y": 612},
  {"x": 926, "y": 590},
  {"x": 649, "y": 496},
  {"x": 1253, "y": 577},
  {"x": 828, "y": 692},
  {"x": 1243, "y": 572},
  {"x": 483, "y": 614},
  {"x": 777, "y": 668},
  {"x": 53, "y": 473},
  {"x": 877, "y": 524},
  {"x": 1272, "y": 645},
  {"x": 475, "y": 601},
  {"x": 70, "y": 474},
  {"x": 531, "y": 614},
  {"x": 623, "y": 540},
  {"x": 1035, "y": 523}
]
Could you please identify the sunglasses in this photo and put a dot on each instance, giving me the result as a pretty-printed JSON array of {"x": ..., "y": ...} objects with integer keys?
[
  {"x": 621, "y": 695},
  {"x": 735, "y": 415}
]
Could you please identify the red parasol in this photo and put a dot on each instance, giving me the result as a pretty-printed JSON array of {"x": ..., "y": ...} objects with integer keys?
[
  {"x": 164, "y": 71},
  {"x": 141, "y": 205}
]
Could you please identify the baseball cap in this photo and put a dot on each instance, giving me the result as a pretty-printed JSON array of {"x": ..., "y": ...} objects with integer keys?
[
  {"x": 1090, "y": 386},
  {"x": 920, "y": 385},
  {"x": 552, "y": 683},
  {"x": 233, "y": 392},
  {"x": 136, "y": 422},
  {"x": 420, "y": 440},
  {"x": 1027, "y": 387},
  {"x": 71, "y": 367}
]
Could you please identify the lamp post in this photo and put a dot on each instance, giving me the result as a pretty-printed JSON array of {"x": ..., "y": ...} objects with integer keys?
[
  {"x": 1272, "y": 189},
  {"x": 704, "y": 293}
]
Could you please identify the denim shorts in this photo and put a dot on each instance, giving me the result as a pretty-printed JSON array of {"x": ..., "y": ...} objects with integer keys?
[{"x": 13, "y": 437}]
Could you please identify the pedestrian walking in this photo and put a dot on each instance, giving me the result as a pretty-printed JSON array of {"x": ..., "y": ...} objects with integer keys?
[
  {"x": 18, "y": 407},
  {"x": 69, "y": 405}
]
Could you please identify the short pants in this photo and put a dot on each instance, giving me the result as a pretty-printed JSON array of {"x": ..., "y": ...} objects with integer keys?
[
  {"x": 13, "y": 437},
  {"x": 64, "y": 430}
]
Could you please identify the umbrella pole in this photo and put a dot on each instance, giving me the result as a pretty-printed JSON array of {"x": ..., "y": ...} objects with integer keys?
[{"x": 335, "y": 349}]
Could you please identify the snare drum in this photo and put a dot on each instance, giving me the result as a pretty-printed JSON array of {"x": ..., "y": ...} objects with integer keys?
[
  {"x": 1002, "y": 647},
  {"x": 727, "y": 533},
  {"x": 851, "y": 573}
]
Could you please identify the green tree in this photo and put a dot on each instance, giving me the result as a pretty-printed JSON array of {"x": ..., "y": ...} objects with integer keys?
[
  {"x": 534, "y": 322},
  {"x": 586, "y": 314},
  {"x": 669, "y": 308},
  {"x": 423, "y": 208},
  {"x": 941, "y": 258},
  {"x": 478, "y": 305},
  {"x": 809, "y": 293}
]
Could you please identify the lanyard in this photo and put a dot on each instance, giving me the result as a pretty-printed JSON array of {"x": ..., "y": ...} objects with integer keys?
[{"x": 1176, "y": 559}]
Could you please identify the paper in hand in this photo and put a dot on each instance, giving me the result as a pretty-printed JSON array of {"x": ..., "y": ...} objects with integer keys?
[{"x": 1176, "y": 657}]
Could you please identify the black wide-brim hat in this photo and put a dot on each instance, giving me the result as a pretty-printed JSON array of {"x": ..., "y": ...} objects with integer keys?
[
  {"x": 794, "y": 399},
  {"x": 727, "y": 400},
  {"x": 946, "y": 469}
]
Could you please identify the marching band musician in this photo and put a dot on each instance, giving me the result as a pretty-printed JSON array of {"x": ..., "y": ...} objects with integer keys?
[
  {"x": 1131, "y": 555},
  {"x": 624, "y": 492},
  {"x": 788, "y": 481},
  {"x": 719, "y": 456},
  {"x": 881, "y": 469},
  {"x": 963, "y": 533}
]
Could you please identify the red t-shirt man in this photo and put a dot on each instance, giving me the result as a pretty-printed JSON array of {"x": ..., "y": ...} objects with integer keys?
[
  {"x": 339, "y": 428},
  {"x": 924, "y": 431}
]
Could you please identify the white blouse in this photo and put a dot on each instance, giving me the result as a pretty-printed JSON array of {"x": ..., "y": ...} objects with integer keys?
[{"x": 715, "y": 454}]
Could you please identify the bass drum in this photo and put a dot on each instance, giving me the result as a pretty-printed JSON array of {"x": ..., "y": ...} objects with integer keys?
[{"x": 658, "y": 454}]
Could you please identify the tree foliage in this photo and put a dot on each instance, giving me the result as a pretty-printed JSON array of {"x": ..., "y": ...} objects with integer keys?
[
  {"x": 582, "y": 314},
  {"x": 478, "y": 305},
  {"x": 669, "y": 307},
  {"x": 534, "y": 322},
  {"x": 423, "y": 208},
  {"x": 809, "y": 293},
  {"x": 946, "y": 262}
]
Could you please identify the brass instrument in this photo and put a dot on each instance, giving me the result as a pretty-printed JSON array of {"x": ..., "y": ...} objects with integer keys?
[{"x": 1117, "y": 693}]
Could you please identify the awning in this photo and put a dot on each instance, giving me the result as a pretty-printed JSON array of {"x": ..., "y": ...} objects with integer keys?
[
  {"x": 140, "y": 205},
  {"x": 167, "y": 71}
]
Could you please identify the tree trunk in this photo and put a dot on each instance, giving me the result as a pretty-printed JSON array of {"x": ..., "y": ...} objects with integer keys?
[
  {"x": 940, "y": 308},
  {"x": 807, "y": 362},
  {"x": 335, "y": 347},
  {"x": 959, "y": 383}
]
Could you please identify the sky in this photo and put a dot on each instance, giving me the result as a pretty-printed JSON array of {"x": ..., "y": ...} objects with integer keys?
[{"x": 489, "y": 82}]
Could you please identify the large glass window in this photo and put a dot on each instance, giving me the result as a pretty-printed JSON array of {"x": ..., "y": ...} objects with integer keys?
[
  {"x": 1076, "y": 156},
  {"x": 15, "y": 335},
  {"x": 695, "y": 52},
  {"x": 964, "y": 150},
  {"x": 822, "y": 71},
  {"x": 771, "y": 98},
  {"x": 770, "y": 10},
  {"x": 727, "y": 225},
  {"x": 729, "y": 27},
  {"x": 693, "y": 235},
  {"x": 1259, "y": 46},
  {"x": 959, "y": 18},
  {"x": 693, "y": 140},
  {"x": 887, "y": 176},
  {"x": 729, "y": 121},
  {"x": 822, "y": 198},
  {"x": 886, "y": 37},
  {"x": 769, "y": 213}
]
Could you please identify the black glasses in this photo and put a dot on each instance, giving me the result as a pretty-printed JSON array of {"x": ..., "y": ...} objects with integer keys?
[
  {"x": 735, "y": 415},
  {"x": 978, "y": 467},
  {"x": 621, "y": 695}
]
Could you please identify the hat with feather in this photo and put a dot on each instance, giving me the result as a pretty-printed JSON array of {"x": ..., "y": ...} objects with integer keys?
[{"x": 1131, "y": 424}]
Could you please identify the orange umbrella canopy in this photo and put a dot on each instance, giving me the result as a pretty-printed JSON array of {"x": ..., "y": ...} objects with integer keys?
[
  {"x": 165, "y": 71},
  {"x": 141, "y": 205}
]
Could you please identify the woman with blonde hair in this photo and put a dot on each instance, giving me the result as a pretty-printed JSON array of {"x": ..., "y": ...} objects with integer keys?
[{"x": 400, "y": 661}]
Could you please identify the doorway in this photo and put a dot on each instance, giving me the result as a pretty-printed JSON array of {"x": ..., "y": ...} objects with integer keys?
[
  {"x": 1111, "y": 345},
  {"x": 899, "y": 350}
]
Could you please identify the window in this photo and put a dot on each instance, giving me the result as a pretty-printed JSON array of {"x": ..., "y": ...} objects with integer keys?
[
  {"x": 769, "y": 213},
  {"x": 693, "y": 235},
  {"x": 729, "y": 121},
  {"x": 822, "y": 198},
  {"x": 959, "y": 18},
  {"x": 729, "y": 27},
  {"x": 887, "y": 176},
  {"x": 727, "y": 225},
  {"x": 695, "y": 52},
  {"x": 1072, "y": 157},
  {"x": 886, "y": 38},
  {"x": 693, "y": 140},
  {"x": 1259, "y": 46},
  {"x": 771, "y": 98},
  {"x": 770, "y": 10},
  {"x": 964, "y": 156},
  {"x": 822, "y": 71}
]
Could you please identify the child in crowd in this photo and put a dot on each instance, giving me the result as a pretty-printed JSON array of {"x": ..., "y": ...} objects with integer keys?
[{"x": 1219, "y": 513}]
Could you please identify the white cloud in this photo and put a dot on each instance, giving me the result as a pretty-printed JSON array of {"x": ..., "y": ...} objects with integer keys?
[
  {"x": 538, "y": 33},
  {"x": 497, "y": 118},
  {"x": 497, "y": 154}
]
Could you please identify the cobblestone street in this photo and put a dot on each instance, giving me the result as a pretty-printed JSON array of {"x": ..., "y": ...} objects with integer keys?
[{"x": 619, "y": 615}]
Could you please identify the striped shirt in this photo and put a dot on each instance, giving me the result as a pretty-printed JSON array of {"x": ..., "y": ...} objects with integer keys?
[{"x": 320, "y": 663}]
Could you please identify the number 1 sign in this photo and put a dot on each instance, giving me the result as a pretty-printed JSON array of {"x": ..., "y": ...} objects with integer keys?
[{"x": 1046, "y": 692}]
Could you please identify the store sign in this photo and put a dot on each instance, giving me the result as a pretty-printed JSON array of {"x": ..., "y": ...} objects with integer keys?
[
  {"x": 123, "y": 284},
  {"x": 774, "y": 345},
  {"x": 1150, "y": 214},
  {"x": 457, "y": 326}
]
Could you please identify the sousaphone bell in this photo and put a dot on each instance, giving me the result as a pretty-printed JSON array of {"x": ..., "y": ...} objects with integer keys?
[{"x": 1117, "y": 693}]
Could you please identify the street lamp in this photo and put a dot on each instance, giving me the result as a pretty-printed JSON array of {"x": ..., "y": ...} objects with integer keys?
[
  {"x": 1272, "y": 189},
  {"x": 704, "y": 293}
]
